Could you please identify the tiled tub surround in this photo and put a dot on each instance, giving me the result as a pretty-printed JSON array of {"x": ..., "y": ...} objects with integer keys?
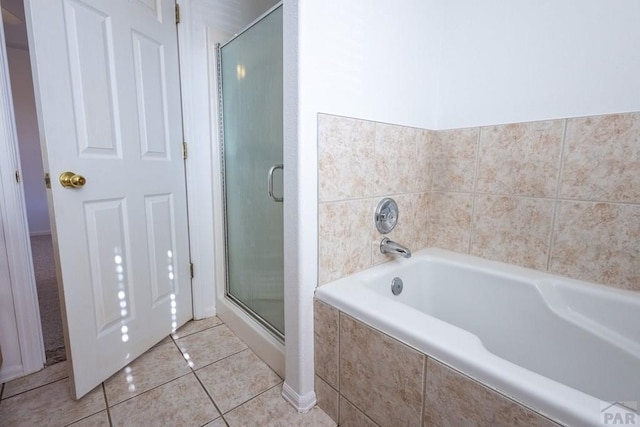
[
  {"x": 367, "y": 378},
  {"x": 561, "y": 196},
  {"x": 561, "y": 346}
]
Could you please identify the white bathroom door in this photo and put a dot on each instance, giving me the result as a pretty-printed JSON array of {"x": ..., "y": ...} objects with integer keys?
[{"x": 108, "y": 99}]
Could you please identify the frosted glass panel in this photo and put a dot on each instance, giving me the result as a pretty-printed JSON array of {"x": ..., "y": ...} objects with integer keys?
[{"x": 251, "y": 68}]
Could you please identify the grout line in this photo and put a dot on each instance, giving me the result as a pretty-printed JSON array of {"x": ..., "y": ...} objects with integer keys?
[
  {"x": 551, "y": 241},
  {"x": 520, "y": 196},
  {"x": 361, "y": 411},
  {"x": 34, "y": 388},
  {"x": 424, "y": 390},
  {"x": 74, "y": 422},
  {"x": 1, "y": 391},
  {"x": 106, "y": 401},
  {"x": 237, "y": 406},
  {"x": 381, "y": 196},
  {"x": 563, "y": 148},
  {"x": 152, "y": 388},
  {"x": 608, "y": 202},
  {"x": 209, "y": 396},
  {"x": 193, "y": 333},
  {"x": 279, "y": 384},
  {"x": 219, "y": 418},
  {"x": 202, "y": 385},
  {"x": 429, "y": 188},
  {"x": 175, "y": 342},
  {"x": 474, "y": 193},
  {"x": 554, "y": 212},
  {"x": 194, "y": 369},
  {"x": 257, "y": 395},
  {"x": 338, "y": 363}
]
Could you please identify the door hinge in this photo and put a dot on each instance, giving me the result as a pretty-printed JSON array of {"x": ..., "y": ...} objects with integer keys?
[
  {"x": 18, "y": 176},
  {"x": 47, "y": 180},
  {"x": 177, "y": 13},
  {"x": 191, "y": 269},
  {"x": 185, "y": 153}
]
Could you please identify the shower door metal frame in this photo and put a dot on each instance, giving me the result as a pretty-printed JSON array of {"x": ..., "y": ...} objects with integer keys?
[{"x": 227, "y": 294}]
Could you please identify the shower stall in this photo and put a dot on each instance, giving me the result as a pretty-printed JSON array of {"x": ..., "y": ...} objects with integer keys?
[{"x": 251, "y": 137}]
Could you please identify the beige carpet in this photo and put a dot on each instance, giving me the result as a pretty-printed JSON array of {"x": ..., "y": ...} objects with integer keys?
[{"x": 42, "y": 249}]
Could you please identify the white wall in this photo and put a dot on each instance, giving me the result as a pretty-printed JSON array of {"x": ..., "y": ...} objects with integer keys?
[
  {"x": 371, "y": 59},
  {"x": 526, "y": 60},
  {"x": 29, "y": 141},
  {"x": 440, "y": 64}
]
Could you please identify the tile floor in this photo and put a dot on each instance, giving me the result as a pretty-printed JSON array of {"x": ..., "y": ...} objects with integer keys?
[{"x": 202, "y": 375}]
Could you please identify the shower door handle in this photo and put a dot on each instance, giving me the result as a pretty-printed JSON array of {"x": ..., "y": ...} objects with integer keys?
[{"x": 270, "y": 182}]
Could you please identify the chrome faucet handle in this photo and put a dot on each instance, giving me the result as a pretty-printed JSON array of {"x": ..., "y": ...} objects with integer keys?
[{"x": 386, "y": 216}]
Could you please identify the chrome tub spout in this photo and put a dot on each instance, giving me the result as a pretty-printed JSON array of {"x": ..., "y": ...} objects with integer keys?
[{"x": 388, "y": 246}]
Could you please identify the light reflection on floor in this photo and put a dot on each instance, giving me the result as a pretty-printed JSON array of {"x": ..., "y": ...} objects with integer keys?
[{"x": 227, "y": 386}]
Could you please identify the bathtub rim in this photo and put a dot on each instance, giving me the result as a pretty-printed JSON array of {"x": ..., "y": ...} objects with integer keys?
[{"x": 462, "y": 350}]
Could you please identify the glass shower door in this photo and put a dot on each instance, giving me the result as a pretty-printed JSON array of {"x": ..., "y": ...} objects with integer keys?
[{"x": 251, "y": 89}]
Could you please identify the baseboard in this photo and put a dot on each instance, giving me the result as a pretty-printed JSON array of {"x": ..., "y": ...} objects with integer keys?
[
  {"x": 300, "y": 403},
  {"x": 9, "y": 373},
  {"x": 209, "y": 312},
  {"x": 39, "y": 233}
]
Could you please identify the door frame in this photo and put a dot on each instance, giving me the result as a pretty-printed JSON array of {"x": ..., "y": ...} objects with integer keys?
[
  {"x": 200, "y": 209},
  {"x": 198, "y": 168},
  {"x": 22, "y": 277}
]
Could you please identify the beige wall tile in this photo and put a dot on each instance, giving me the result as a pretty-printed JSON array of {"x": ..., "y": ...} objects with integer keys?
[
  {"x": 512, "y": 230},
  {"x": 398, "y": 166},
  {"x": 344, "y": 238},
  {"x": 425, "y": 140},
  {"x": 454, "y": 158},
  {"x": 363, "y": 161},
  {"x": 379, "y": 375},
  {"x": 450, "y": 221},
  {"x": 325, "y": 330},
  {"x": 345, "y": 158},
  {"x": 411, "y": 230},
  {"x": 452, "y": 399},
  {"x": 598, "y": 242},
  {"x": 327, "y": 398},
  {"x": 350, "y": 416},
  {"x": 520, "y": 159},
  {"x": 602, "y": 158}
]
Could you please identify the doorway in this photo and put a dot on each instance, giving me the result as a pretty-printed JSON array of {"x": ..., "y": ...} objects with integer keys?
[{"x": 33, "y": 179}]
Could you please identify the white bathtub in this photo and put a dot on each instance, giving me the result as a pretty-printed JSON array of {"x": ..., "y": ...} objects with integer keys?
[{"x": 562, "y": 347}]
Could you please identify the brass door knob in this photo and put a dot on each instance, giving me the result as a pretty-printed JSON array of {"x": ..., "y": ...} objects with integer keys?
[{"x": 72, "y": 180}]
